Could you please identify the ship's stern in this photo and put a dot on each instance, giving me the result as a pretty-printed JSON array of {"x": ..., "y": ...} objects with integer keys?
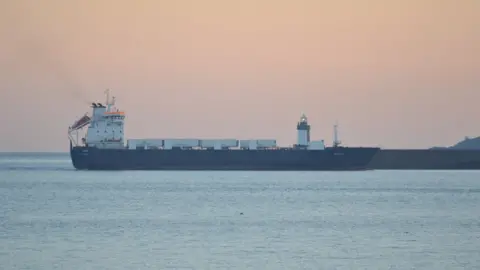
[{"x": 80, "y": 157}]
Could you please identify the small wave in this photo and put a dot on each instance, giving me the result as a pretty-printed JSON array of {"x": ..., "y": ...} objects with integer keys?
[
  {"x": 21, "y": 168},
  {"x": 36, "y": 161}
]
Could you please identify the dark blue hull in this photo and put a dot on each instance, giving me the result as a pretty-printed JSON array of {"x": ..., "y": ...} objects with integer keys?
[
  {"x": 341, "y": 158},
  {"x": 426, "y": 159}
]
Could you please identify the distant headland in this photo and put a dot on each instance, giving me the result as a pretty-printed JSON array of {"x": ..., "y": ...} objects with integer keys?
[{"x": 466, "y": 144}]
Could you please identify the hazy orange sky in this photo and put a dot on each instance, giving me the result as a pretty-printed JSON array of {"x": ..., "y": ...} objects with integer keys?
[{"x": 392, "y": 73}]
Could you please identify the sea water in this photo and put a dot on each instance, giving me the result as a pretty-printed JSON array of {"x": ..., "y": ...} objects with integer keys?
[{"x": 53, "y": 217}]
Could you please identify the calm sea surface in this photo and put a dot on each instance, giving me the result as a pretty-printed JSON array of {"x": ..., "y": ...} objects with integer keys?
[{"x": 53, "y": 217}]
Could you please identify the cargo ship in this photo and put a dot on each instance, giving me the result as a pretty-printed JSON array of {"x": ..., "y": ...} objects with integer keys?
[{"x": 102, "y": 147}]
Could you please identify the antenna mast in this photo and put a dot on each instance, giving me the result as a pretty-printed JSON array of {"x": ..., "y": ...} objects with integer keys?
[
  {"x": 107, "y": 94},
  {"x": 336, "y": 142}
]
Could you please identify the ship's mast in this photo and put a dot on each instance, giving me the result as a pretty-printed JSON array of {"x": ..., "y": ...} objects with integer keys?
[
  {"x": 336, "y": 142},
  {"x": 109, "y": 102}
]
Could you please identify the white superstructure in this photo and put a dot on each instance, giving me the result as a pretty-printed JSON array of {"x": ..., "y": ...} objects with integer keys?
[
  {"x": 316, "y": 145},
  {"x": 106, "y": 130},
  {"x": 106, "y": 126}
]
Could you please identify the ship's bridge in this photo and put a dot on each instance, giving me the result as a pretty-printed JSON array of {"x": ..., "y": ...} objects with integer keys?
[
  {"x": 114, "y": 116},
  {"x": 114, "y": 113}
]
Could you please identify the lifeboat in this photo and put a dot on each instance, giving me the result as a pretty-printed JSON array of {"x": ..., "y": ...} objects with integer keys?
[{"x": 80, "y": 123}]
